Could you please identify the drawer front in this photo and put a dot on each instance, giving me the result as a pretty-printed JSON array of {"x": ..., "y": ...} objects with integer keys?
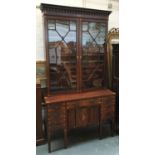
[
  {"x": 108, "y": 101},
  {"x": 89, "y": 102},
  {"x": 72, "y": 105},
  {"x": 108, "y": 108},
  {"x": 56, "y": 116}
]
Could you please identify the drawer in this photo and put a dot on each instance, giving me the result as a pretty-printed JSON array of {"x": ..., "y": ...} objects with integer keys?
[
  {"x": 56, "y": 123},
  {"x": 56, "y": 116},
  {"x": 89, "y": 102},
  {"x": 56, "y": 106},
  {"x": 71, "y": 105},
  {"x": 105, "y": 108},
  {"x": 56, "y": 110},
  {"x": 108, "y": 108},
  {"x": 109, "y": 116},
  {"x": 57, "y": 119},
  {"x": 108, "y": 101}
]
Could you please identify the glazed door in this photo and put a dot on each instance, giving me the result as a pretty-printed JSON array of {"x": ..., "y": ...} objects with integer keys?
[
  {"x": 62, "y": 55},
  {"x": 93, "y": 38}
]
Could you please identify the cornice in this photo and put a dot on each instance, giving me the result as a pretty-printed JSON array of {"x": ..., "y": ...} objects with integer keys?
[{"x": 49, "y": 9}]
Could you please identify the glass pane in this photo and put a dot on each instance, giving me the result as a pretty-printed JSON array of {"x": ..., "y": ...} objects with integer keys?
[
  {"x": 102, "y": 27},
  {"x": 73, "y": 26},
  {"x": 62, "y": 57},
  {"x": 93, "y": 55},
  {"x": 71, "y": 37},
  {"x": 85, "y": 26},
  {"x": 53, "y": 36},
  {"x": 62, "y": 27},
  {"x": 100, "y": 38},
  {"x": 93, "y": 29},
  {"x": 51, "y": 24},
  {"x": 86, "y": 39}
]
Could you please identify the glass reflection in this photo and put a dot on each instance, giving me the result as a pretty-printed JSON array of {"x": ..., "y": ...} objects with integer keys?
[
  {"x": 100, "y": 38},
  {"x": 62, "y": 27},
  {"x": 51, "y": 24},
  {"x": 93, "y": 29},
  {"x": 72, "y": 26},
  {"x": 85, "y": 26},
  {"x": 53, "y": 36},
  {"x": 93, "y": 36},
  {"x": 86, "y": 39},
  {"x": 62, "y": 55}
]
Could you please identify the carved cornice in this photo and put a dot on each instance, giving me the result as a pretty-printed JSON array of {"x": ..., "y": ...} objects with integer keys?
[{"x": 48, "y": 9}]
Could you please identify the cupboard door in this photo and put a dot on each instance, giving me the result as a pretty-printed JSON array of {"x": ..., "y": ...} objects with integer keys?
[
  {"x": 87, "y": 113},
  {"x": 93, "y": 37},
  {"x": 62, "y": 53},
  {"x": 87, "y": 116}
]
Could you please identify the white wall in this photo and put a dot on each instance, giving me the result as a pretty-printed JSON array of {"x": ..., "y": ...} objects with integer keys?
[{"x": 94, "y": 4}]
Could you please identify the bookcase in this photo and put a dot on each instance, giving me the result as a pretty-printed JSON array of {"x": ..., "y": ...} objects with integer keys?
[{"x": 76, "y": 65}]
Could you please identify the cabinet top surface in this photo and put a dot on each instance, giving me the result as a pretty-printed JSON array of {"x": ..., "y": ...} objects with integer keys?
[{"x": 77, "y": 96}]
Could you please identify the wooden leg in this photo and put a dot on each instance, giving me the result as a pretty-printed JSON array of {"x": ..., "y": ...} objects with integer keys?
[
  {"x": 49, "y": 143},
  {"x": 100, "y": 130},
  {"x": 66, "y": 128},
  {"x": 100, "y": 124},
  {"x": 45, "y": 129},
  {"x": 65, "y": 138},
  {"x": 112, "y": 128}
]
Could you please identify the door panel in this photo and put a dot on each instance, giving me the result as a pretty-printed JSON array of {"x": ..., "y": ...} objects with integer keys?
[
  {"x": 93, "y": 38},
  {"x": 62, "y": 50}
]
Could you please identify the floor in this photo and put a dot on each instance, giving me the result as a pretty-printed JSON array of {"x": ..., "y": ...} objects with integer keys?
[{"x": 83, "y": 145}]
